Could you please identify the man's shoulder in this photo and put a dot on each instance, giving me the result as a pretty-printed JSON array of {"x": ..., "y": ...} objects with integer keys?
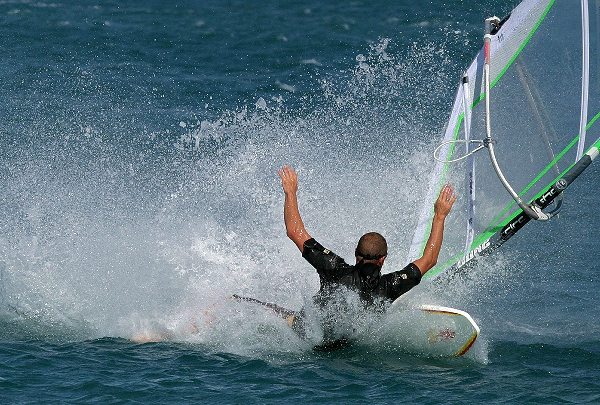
[
  {"x": 322, "y": 258},
  {"x": 311, "y": 246},
  {"x": 399, "y": 282},
  {"x": 409, "y": 272}
]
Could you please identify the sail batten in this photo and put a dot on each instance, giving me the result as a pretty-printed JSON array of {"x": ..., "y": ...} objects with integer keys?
[{"x": 585, "y": 76}]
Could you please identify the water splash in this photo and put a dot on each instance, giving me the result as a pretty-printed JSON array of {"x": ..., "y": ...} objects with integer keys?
[{"x": 137, "y": 236}]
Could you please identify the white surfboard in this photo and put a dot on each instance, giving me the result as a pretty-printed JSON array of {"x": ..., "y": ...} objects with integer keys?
[{"x": 431, "y": 330}]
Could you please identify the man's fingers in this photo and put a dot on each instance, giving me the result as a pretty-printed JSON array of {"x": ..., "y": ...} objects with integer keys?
[
  {"x": 288, "y": 172},
  {"x": 289, "y": 178},
  {"x": 447, "y": 194},
  {"x": 283, "y": 172}
]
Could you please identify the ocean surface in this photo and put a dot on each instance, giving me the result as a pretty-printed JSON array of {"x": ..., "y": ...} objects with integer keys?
[{"x": 140, "y": 143}]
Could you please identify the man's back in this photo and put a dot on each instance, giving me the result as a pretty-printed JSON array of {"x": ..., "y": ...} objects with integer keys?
[{"x": 364, "y": 278}]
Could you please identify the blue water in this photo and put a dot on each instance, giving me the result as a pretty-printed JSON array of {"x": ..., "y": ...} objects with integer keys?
[{"x": 140, "y": 142}]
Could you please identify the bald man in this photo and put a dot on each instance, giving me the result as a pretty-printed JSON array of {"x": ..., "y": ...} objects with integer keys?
[{"x": 364, "y": 277}]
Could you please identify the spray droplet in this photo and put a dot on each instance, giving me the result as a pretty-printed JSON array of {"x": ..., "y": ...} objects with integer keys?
[{"x": 261, "y": 104}]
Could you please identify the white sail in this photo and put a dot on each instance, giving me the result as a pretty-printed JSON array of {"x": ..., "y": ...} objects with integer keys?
[{"x": 544, "y": 104}]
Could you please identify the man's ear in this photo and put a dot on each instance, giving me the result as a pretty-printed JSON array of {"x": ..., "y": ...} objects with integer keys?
[{"x": 380, "y": 261}]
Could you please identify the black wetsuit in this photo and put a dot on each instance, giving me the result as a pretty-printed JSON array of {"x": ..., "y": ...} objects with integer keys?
[
  {"x": 365, "y": 279},
  {"x": 375, "y": 289}
]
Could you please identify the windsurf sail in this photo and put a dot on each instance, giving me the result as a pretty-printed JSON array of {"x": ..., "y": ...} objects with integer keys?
[{"x": 537, "y": 116}]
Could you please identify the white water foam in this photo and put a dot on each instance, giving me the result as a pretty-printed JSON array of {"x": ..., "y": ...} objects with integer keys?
[{"x": 153, "y": 245}]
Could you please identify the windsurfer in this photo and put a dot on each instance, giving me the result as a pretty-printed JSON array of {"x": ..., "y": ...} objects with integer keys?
[{"x": 371, "y": 251}]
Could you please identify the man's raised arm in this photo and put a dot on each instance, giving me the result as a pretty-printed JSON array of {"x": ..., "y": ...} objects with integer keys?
[
  {"x": 434, "y": 243},
  {"x": 291, "y": 215}
]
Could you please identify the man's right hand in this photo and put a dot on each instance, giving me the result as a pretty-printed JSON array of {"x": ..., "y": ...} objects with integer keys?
[
  {"x": 289, "y": 180},
  {"x": 445, "y": 200},
  {"x": 441, "y": 209}
]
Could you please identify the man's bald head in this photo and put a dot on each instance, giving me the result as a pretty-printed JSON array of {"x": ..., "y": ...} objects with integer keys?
[{"x": 371, "y": 246}]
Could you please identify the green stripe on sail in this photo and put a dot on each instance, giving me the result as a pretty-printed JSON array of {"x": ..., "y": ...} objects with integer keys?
[
  {"x": 491, "y": 230},
  {"x": 518, "y": 52},
  {"x": 443, "y": 174},
  {"x": 544, "y": 171},
  {"x": 596, "y": 117}
]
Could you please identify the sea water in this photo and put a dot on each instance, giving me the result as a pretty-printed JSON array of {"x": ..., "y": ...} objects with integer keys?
[{"x": 140, "y": 143}]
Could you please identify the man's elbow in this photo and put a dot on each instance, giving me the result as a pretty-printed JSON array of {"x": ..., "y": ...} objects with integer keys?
[
  {"x": 425, "y": 264},
  {"x": 296, "y": 233},
  {"x": 430, "y": 265},
  {"x": 292, "y": 234},
  {"x": 299, "y": 238}
]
